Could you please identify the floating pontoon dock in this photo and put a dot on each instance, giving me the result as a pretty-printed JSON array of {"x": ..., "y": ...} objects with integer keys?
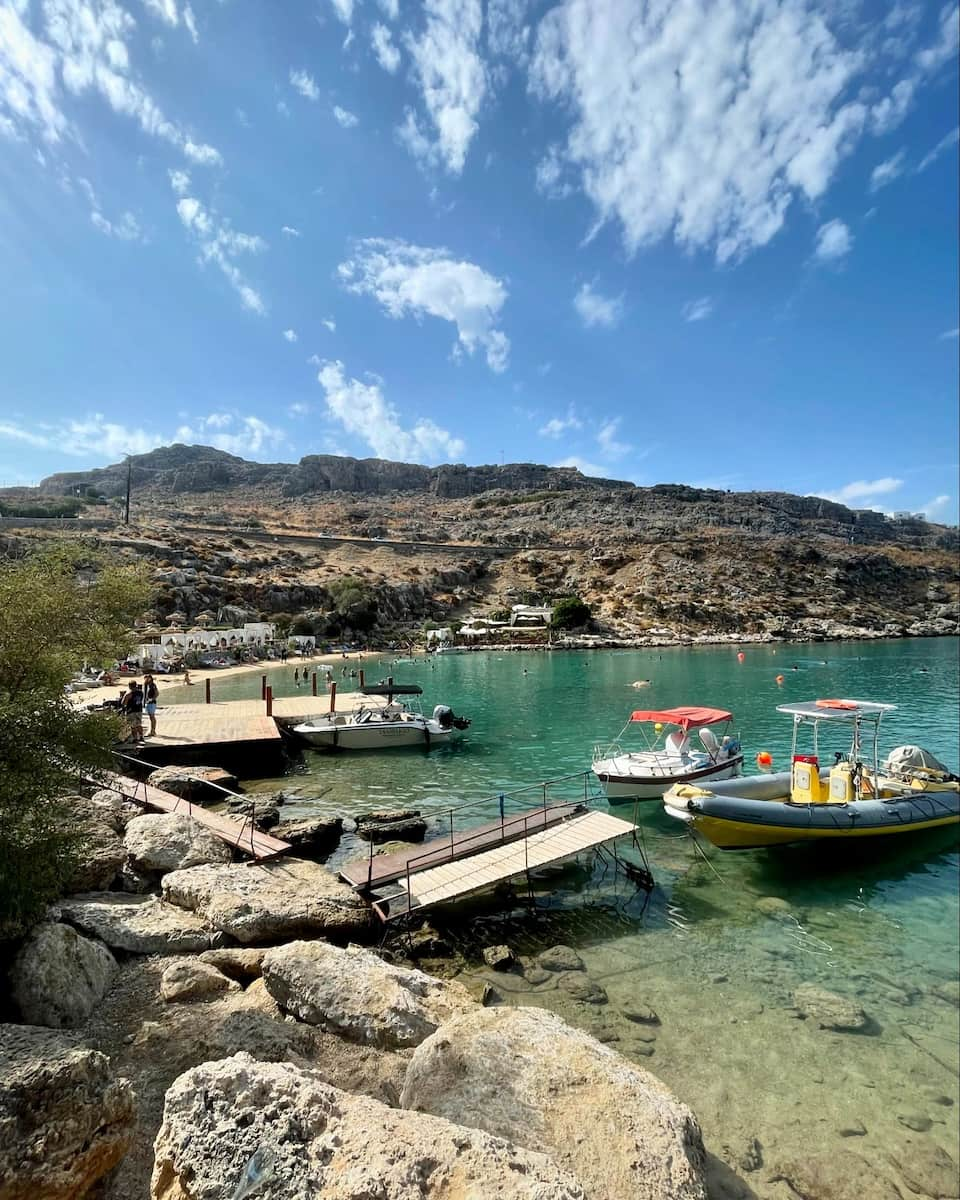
[{"x": 460, "y": 863}]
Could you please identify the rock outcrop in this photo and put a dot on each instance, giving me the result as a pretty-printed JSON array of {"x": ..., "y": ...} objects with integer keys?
[
  {"x": 58, "y": 976},
  {"x": 524, "y": 1073},
  {"x": 162, "y": 842},
  {"x": 137, "y": 924},
  {"x": 357, "y": 995},
  {"x": 236, "y": 1118},
  {"x": 65, "y": 1121},
  {"x": 270, "y": 902},
  {"x": 201, "y": 784},
  {"x": 194, "y": 980}
]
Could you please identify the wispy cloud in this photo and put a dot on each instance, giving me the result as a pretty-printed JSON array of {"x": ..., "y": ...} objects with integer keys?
[
  {"x": 584, "y": 466},
  {"x": 421, "y": 281},
  {"x": 388, "y": 56},
  {"x": 220, "y": 244},
  {"x": 329, "y": 324},
  {"x": 887, "y": 171},
  {"x": 343, "y": 10},
  {"x": 92, "y": 436},
  {"x": 834, "y": 241},
  {"x": 607, "y": 439},
  {"x": 289, "y": 231},
  {"x": 557, "y": 426},
  {"x": 305, "y": 85},
  {"x": 233, "y": 433},
  {"x": 949, "y": 335},
  {"x": 126, "y": 227},
  {"x": 937, "y": 507},
  {"x": 363, "y": 410},
  {"x": 862, "y": 489},
  {"x": 345, "y": 118},
  {"x": 941, "y": 147},
  {"x": 697, "y": 310},
  {"x": 597, "y": 309},
  {"x": 290, "y": 335}
]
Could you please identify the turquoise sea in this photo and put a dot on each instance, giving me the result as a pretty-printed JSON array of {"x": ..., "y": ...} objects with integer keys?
[{"x": 708, "y": 950}]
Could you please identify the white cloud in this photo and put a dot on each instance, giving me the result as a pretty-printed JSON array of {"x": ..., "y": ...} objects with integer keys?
[
  {"x": 220, "y": 244},
  {"x": 596, "y": 309},
  {"x": 180, "y": 182},
  {"x": 550, "y": 175},
  {"x": 304, "y": 84},
  {"x": 190, "y": 21},
  {"x": 93, "y": 435},
  {"x": 607, "y": 439},
  {"x": 363, "y": 410},
  {"x": 290, "y": 335},
  {"x": 418, "y": 280},
  {"x": 166, "y": 10},
  {"x": 234, "y": 434},
  {"x": 862, "y": 489},
  {"x": 698, "y": 121},
  {"x": 937, "y": 507},
  {"x": 390, "y": 9},
  {"x": 949, "y": 335},
  {"x": 834, "y": 240},
  {"x": 289, "y": 231},
  {"x": 330, "y": 324},
  {"x": 887, "y": 171},
  {"x": 345, "y": 118},
  {"x": 944, "y": 144},
  {"x": 595, "y": 470},
  {"x": 697, "y": 310},
  {"x": 203, "y": 155},
  {"x": 127, "y": 228},
  {"x": 890, "y": 110},
  {"x": 298, "y": 409},
  {"x": 452, "y": 79},
  {"x": 81, "y": 46},
  {"x": 508, "y": 35},
  {"x": 388, "y": 56},
  {"x": 343, "y": 10},
  {"x": 557, "y": 426}
]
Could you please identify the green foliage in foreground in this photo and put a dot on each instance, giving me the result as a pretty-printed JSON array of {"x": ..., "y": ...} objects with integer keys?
[
  {"x": 570, "y": 613},
  {"x": 57, "y": 609},
  {"x": 49, "y": 508}
]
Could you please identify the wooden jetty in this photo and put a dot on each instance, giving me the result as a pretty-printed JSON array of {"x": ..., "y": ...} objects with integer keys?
[
  {"x": 458, "y": 864},
  {"x": 241, "y": 835}
]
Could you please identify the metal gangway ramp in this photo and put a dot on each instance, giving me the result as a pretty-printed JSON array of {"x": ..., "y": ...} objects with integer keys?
[{"x": 468, "y": 860}]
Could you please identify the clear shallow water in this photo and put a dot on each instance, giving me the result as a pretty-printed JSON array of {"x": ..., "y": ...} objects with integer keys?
[{"x": 876, "y": 923}]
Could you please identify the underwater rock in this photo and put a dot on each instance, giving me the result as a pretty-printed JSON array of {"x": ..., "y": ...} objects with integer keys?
[
  {"x": 535, "y": 975},
  {"x": 772, "y": 906},
  {"x": 852, "y": 1129},
  {"x": 560, "y": 958},
  {"x": 949, "y": 991},
  {"x": 918, "y": 1122},
  {"x": 837, "y": 1175},
  {"x": 640, "y": 1014},
  {"x": 500, "y": 958},
  {"x": 929, "y": 1170},
  {"x": 579, "y": 987},
  {"x": 829, "y": 1010}
]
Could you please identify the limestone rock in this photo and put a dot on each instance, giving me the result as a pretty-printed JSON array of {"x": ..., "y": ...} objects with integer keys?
[
  {"x": 837, "y": 1175},
  {"x": 359, "y": 996},
  {"x": 404, "y": 824},
  {"x": 201, "y": 784},
  {"x": 108, "y": 807},
  {"x": 313, "y": 1140},
  {"x": 524, "y": 1073},
  {"x": 241, "y": 965},
  {"x": 928, "y": 1170},
  {"x": 640, "y": 1014},
  {"x": 311, "y": 837},
  {"x": 102, "y": 852},
  {"x": 560, "y": 958},
  {"x": 772, "y": 906},
  {"x": 58, "y": 976},
  {"x": 170, "y": 842},
  {"x": 265, "y": 816},
  {"x": 138, "y": 924},
  {"x": 577, "y": 985},
  {"x": 65, "y": 1121},
  {"x": 949, "y": 990},
  {"x": 269, "y": 902},
  {"x": 918, "y": 1122},
  {"x": 500, "y": 958},
  {"x": 829, "y": 1010},
  {"x": 194, "y": 981}
]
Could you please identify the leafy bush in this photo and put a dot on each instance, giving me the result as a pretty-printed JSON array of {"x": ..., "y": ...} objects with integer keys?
[{"x": 570, "y": 613}]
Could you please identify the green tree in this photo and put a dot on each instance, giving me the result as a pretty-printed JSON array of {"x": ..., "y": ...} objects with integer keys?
[
  {"x": 570, "y": 613},
  {"x": 58, "y": 608}
]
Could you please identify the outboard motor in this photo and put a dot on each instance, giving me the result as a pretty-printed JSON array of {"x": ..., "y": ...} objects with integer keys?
[
  {"x": 912, "y": 762},
  {"x": 444, "y": 716}
]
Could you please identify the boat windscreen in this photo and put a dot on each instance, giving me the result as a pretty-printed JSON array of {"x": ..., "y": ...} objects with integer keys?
[
  {"x": 392, "y": 689},
  {"x": 686, "y": 718}
]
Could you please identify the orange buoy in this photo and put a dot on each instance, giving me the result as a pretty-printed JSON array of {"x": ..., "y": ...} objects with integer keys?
[
  {"x": 764, "y": 760},
  {"x": 741, "y": 656},
  {"x": 779, "y": 679}
]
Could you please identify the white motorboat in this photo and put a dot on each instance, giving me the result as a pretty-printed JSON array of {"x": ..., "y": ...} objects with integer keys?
[
  {"x": 382, "y": 727},
  {"x": 667, "y": 757}
]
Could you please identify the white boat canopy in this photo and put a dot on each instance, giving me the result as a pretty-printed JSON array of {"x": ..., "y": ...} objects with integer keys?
[{"x": 836, "y": 710}]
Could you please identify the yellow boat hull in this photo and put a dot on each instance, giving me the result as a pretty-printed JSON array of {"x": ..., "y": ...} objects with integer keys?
[{"x": 741, "y": 835}]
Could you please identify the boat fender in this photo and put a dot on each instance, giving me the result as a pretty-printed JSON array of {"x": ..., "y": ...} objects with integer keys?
[
  {"x": 426, "y": 736},
  {"x": 336, "y": 736}
]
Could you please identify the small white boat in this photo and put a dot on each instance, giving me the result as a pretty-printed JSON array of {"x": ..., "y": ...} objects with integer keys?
[
  {"x": 667, "y": 758},
  {"x": 383, "y": 727}
]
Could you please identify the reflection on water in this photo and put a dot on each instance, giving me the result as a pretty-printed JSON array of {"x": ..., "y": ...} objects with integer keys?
[{"x": 720, "y": 946}]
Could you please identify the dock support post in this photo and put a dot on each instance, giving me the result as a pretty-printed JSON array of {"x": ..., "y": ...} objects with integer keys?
[
  {"x": 360, "y": 676},
  {"x": 206, "y": 691},
  {"x": 269, "y": 700},
  {"x": 333, "y": 696},
  {"x": 314, "y": 683},
  {"x": 263, "y": 687}
]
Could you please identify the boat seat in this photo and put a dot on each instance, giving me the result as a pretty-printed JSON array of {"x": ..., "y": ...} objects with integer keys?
[
  {"x": 677, "y": 743},
  {"x": 708, "y": 740}
]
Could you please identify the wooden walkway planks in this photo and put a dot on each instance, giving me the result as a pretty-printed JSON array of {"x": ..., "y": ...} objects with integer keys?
[
  {"x": 241, "y": 835},
  {"x": 452, "y": 880},
  {"x": 440, "y": 850}
]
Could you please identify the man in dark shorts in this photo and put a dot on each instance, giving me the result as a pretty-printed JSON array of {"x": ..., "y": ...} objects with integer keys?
[{"x": 132, "y": 708}]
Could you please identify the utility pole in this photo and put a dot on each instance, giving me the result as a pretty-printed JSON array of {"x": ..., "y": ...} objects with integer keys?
[{"x": 126, "y": 506}]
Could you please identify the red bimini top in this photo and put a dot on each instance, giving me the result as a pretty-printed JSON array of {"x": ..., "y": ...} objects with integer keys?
[{"x": 686, "y": 718}]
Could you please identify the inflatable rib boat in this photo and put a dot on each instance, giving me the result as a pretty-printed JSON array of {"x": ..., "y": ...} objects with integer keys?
[{"x": 847, "y": 800}]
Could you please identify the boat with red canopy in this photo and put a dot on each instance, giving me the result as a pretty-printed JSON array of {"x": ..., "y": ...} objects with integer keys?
[{"x": 667, "y": 757}]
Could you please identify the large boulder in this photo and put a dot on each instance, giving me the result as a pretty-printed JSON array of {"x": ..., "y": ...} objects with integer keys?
[
  {"x": 403, "y": 823},
  {"x": 269, "y": 902},
  {"x": 138, "y": 924},
  {"x": 102, "y": 851},
  {"x": 828, "y": 1010},
  {"x": 359, "y": 996},
  {"x": 200, "y": 784},
  {"x": 311, "y": 837},
  {"x": 524, "y": 1073},
  {"x": 164, "y": 842},
  {"x": 236, "y": 1118},
  {"x": 194, "y": 980},
  {"x": 65, "y": 1121},
  {"x": 58, "y": 976}
]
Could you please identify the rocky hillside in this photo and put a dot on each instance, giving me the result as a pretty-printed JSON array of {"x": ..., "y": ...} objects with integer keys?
[{"x": 401, "y": 545}]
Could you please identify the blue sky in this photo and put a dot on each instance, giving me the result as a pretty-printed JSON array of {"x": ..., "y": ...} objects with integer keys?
[{"x": 700, "y": 241}]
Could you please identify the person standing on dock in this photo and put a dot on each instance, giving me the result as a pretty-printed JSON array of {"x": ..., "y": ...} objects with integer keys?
[
  {"x": 150, "y": 694},
  {"x": 132, "y": 707}
]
